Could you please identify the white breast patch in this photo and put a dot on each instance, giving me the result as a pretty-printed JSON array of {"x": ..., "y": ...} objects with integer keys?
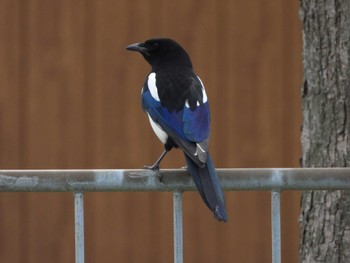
[{"x": 162, "y": 135}]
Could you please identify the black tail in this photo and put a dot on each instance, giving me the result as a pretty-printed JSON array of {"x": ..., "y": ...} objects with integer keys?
[{"x": 209, "y": 187}]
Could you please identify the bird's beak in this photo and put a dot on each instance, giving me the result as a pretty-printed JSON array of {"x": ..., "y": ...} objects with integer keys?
[{"x": 137, "y": 47}]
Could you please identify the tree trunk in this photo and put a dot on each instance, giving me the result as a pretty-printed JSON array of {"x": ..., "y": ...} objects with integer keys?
[{"x": 325, "y": 215}]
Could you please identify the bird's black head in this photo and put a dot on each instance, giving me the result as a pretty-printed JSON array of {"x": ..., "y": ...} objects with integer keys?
[{"x": 161, "y": 52}]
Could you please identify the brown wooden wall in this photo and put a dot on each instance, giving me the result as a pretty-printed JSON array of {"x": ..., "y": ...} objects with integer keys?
[{"x": 70, "y": 98}]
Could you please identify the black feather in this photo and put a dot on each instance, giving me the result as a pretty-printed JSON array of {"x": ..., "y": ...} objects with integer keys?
[{"x": 179, "y": 110}]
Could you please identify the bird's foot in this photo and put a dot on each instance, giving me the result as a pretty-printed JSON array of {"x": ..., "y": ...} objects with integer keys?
[{"x": 154, "y": 167}]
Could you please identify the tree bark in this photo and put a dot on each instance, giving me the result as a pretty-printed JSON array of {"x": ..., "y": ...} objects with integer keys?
[{"x": 325, "y": 215}]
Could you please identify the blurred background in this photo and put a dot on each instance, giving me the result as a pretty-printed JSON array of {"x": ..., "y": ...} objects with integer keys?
[{"x": 70, "y": 98}]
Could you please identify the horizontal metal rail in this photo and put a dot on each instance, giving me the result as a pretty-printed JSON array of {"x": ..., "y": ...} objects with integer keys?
[
  {"x": 172, "y": 180},
  {"x": 176, "y": 181}
]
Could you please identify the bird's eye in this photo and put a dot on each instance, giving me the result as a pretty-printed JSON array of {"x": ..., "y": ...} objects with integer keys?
[{"x": 155, "y": 45}]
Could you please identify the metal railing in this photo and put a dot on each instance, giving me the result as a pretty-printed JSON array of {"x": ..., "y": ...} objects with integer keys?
[{"x": 176, "y": 181}]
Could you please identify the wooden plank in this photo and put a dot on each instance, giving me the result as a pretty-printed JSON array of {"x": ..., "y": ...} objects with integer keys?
[
  {"x": 72, "y": 98},
  {"x": 11, "y": 220}
]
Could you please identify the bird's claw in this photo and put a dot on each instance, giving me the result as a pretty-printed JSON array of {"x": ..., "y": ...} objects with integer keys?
[{"x": 154, "y": 167}]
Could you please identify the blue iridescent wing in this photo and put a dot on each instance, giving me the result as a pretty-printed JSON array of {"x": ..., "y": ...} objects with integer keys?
[{"x": 189, "y": 127}]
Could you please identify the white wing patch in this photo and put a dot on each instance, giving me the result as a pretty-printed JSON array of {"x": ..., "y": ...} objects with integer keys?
[
  {"x": 152, "y": 86},
  {"x": 205, "y": 97},
  {"x": 202, "y": 151},
  {"x": 162, "y": 135},
  {"x": 200, "y": 148},
  {"x": 188, "y": 105}
]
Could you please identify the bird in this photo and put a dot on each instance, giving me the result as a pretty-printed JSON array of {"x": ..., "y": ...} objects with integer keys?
[{"x": 176, "y": 103}]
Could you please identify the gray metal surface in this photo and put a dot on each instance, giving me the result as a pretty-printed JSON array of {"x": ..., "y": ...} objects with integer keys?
[
  {"x": 79, "y": 226},
  {"x": 172, "y": 180},
  {"x": 177, "y": 221},
  {"x": 276, "y": 226},
  {"x": 177, "y": 181}
]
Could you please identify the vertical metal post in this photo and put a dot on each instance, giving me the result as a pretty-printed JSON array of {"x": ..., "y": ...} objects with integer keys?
[
  {"x": 178, "y": 241},
  {"x": 79, "y": 226},
  {"x": 276, "y": 226}
]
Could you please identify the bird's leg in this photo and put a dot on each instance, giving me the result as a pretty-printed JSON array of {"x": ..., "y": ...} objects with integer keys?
[{"x": 155, "y": 166}]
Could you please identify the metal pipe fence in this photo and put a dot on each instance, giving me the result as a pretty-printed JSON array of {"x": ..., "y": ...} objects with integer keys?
[{"x": 177, "y": 181}]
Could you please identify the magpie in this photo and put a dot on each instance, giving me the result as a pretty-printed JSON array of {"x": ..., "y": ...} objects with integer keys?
[{"x": 176, "y": 103}]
